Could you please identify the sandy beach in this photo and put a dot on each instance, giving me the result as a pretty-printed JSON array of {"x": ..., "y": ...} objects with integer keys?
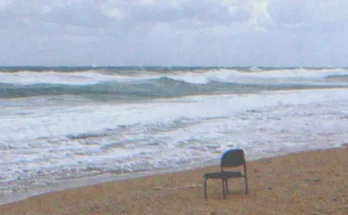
[{"x": 313, "y": 182}]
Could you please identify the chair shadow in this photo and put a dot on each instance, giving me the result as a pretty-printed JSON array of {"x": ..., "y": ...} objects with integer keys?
[{"x": 232, "y": 194}]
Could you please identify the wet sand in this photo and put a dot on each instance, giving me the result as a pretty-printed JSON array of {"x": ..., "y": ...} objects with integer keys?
[{"x": 313, "y": 182}]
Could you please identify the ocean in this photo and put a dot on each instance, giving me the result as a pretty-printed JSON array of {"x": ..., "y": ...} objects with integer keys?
[{"x": 64, "y": 127}]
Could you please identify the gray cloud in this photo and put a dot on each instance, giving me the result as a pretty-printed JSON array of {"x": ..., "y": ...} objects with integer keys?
[
  {"x": 4, "y": 3},
  {"x": 173, "y": 32},
  {"x": 309, "y": 15},
  {"x": 293, "y": 12},
  {"x": 194, "y": 11}
]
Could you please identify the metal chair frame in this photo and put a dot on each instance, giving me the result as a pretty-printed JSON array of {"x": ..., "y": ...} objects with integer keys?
[{"x": 231, "y": 158}]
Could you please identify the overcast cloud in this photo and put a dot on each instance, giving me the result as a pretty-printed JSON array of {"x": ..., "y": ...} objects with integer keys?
[{"x": 174, "y": 32}]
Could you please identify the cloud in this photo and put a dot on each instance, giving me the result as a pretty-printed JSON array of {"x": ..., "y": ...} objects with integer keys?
[
  {"x": 256, "y": 15},
  {"x": 293, "y": 12},
  {"x": 136, "y": 32},
  {"x": 309, "y": 15},
  {"x": 194, "y": 11},
  {"x": 79, "y": 14},
  {"x": 4, "y": 3}
]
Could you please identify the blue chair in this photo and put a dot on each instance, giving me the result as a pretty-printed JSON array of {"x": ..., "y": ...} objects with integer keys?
[{"x": 231, "y": 158}]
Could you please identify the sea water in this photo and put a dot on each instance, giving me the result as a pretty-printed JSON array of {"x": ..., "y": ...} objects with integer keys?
[{"x": 67, "y": 127}]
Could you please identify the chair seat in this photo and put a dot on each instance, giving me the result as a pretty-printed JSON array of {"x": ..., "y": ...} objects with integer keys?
[{"x": 222, "y": 175}]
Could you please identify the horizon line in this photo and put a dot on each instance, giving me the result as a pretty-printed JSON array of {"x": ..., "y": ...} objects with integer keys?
[{"x": 161, "y": 66}]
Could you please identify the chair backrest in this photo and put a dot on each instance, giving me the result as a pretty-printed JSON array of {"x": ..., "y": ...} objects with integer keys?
[{"x": 233, "y": 158}]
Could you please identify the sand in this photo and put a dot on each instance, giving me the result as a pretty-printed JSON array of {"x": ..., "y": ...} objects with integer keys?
[{"x": 313, "y": 182}]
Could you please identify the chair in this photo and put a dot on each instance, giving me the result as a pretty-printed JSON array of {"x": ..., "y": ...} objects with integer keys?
[{"x": 231, "y": 158}]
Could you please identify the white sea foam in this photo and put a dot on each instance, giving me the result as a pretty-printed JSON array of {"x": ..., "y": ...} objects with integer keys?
[
  {"x": 195, "y": 77},
  {"x": 254, "y": 76},
  {"x": 53, "y": 77}
]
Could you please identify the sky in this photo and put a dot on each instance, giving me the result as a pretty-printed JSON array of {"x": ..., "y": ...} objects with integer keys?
[{"x": 174, "y": 33}]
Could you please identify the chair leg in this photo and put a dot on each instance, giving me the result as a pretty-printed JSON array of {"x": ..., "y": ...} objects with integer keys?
[
  {"x": 226, "y": 183},
  {"x": 245, "y": 179},
  {"x": 223, "y": 188},
  {"x": 205, "y": 188}
]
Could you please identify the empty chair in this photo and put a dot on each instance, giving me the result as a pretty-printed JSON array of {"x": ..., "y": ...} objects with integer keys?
[{"x": 231, "y": 158}]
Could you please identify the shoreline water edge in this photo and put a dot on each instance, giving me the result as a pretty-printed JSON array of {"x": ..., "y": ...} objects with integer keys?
[
  {"x": 312, "y": 182},
  {"x": 75, "y": 183}
]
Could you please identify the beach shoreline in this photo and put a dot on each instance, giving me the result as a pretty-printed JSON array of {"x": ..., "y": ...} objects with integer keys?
[
  {"x": 291, "y": 180},
  {"x": 80, "y": 182}
]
